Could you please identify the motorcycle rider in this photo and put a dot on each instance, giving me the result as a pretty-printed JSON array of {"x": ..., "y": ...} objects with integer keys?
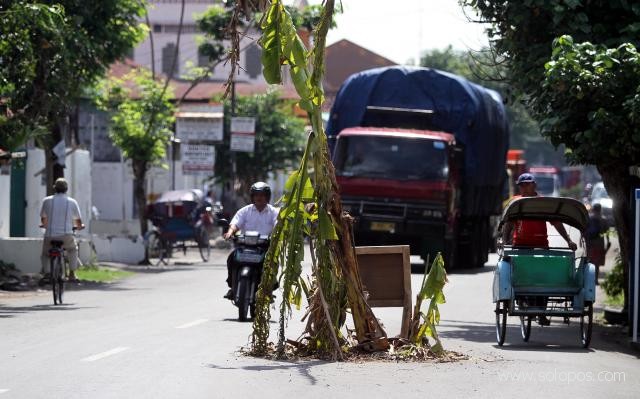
[{"x": 258, "y": 216}]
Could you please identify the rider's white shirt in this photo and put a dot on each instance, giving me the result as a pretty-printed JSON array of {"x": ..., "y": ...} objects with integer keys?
[
  {"x": 60, "y": 211},
  {"x": 248, "y": 218}
]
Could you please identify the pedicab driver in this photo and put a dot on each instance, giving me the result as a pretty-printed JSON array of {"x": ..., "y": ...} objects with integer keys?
[
  {"x": 259, "y": 216},
  {"x": 533, "y": 233}
]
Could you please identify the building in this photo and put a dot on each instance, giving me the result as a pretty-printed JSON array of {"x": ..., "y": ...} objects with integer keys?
[{"x": 344, "y": 58}]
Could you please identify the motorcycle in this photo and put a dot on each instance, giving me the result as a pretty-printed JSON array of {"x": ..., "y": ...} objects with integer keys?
[{"x": 248, "y": 258}]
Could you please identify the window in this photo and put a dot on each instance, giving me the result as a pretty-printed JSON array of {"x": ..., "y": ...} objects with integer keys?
[
  {"x": 169, "y": 54},
  {"x": 253, "y": 64}
]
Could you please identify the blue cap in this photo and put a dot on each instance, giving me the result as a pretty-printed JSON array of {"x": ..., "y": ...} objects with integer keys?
[{"x": 526, "y": 178}]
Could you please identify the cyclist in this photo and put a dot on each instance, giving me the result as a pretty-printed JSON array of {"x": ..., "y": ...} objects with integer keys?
[
  {"x": 60, "y": 215},
  {"x": 259, "y": 216}
]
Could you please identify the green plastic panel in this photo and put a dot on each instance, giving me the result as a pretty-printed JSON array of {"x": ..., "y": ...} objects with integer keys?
[{"x": 543, "y": 271}]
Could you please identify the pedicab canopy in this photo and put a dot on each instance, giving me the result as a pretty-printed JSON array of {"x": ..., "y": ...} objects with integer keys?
[
  {"x": 194, "y": 195},
  {"x": 565, "y": 210}
]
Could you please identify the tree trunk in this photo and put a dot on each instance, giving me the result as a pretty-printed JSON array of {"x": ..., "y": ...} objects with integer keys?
[
  {"x": 617, "y": 181},
  {"x": 140, "y": 192},
  {"x": 52, "y": 169}
]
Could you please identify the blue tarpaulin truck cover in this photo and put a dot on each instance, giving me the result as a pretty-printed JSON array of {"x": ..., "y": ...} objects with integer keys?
[{"x": 474, "y": 114}]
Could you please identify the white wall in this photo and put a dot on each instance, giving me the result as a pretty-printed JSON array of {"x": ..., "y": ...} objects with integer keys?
[
  {"x": 78, "y": 174},
  {"x": 5, "y": 206},
  {"x": 111, "y": 189},
  {"x": 162, "y": 13},
  {"x": 35, "y": 191}
]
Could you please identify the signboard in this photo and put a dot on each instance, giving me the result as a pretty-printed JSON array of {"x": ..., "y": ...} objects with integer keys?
[
  {"x": 243, "y": 124},
  {"x": 243, "y": 142},
  {"x": 200, "y": 123},
  {"x": 197, "y": 159},
  {"x": 385, "y": 272},
  {"x": 243, "y": 137}
]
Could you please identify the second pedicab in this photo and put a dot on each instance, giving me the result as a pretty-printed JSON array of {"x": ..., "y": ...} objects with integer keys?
[
  {"x": 530, "y": 282},
  {"x": 182, "y": 219}
]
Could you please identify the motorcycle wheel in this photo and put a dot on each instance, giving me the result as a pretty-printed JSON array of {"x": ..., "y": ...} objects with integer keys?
[{"x": 242, "y": 303}]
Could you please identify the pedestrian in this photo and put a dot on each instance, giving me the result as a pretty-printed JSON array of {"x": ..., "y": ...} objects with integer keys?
[
  {"x": 59, "y": 216},
  {"x": 597, "y": 228}
]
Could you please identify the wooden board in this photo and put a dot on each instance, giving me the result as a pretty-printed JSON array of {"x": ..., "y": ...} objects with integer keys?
[{"x": 385, "y": 272}]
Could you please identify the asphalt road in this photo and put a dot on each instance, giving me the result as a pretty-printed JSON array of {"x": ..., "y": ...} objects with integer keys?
[{"x": 169, "y": 334}]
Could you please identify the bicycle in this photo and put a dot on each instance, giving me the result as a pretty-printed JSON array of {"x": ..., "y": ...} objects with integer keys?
[
  {"x": 57, "y": 269},
  {"x": 58, "y": 262}
]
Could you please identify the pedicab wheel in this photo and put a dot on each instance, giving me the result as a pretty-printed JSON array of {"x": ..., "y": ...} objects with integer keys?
[
  {"x": 501, "y": 321},
  {"x": 157, "y": 250},
  {"x": 525, "y": 327},
  {"x": 204, "y": 245},
  {"x": 586, "y": 324}
]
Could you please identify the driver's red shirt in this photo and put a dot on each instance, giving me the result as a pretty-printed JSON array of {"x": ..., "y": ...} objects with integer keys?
[{"x": 530, "y": 233}]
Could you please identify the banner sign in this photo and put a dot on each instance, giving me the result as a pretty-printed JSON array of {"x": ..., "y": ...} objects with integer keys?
[{"x": 197, "y": 159}]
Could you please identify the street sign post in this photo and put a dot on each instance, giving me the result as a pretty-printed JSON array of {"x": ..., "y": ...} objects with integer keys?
[
  {"x": 197, "y": 159},
  {"x": 200, "y": 123},
  {"x": 636, "y": 273},
  {"x": 243, "y": 136}
]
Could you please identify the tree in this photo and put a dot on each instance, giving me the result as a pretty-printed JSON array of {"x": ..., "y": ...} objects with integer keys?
[
  {"x": 279, "y": 140},
  {"x": 479, "y": 68},
  {"x": 141, "y": 125},
  {"x": 52, "y": 53},
  {"x": 39, "y": 29},
  {"x": 582, "y": 88}
]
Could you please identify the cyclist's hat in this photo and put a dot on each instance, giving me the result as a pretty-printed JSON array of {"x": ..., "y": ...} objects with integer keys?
[
  {"x": 61, "y": 185},
  {"x": 526, "y": 178}
]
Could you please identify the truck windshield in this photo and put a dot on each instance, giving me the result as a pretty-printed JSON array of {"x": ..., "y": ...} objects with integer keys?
[
  {"x": 546, "y": 185},
  {"x": 391, "y": 158}
]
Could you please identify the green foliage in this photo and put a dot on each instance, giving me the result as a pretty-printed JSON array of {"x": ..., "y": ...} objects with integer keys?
[
  {"x": 142, "y": 115},
  {"x": 479, "y": 68},
  {"x": 613, "y": 284},
  {"x": 281, "y": 45},
  {"x": 431, "y": 289},
  {"x": 102, "y": 274},
  {"x": 50, "y": 53},
  {"x": 7, "y": 268},
  {"x": 598, "y": 89},
  {"x": 216, "y": 19},
  {"x": 279, "y": 139}
]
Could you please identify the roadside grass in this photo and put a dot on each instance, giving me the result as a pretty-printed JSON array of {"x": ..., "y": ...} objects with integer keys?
[
  {"x": 101, "y": 274},
  {"x": 616, "y": 301}
]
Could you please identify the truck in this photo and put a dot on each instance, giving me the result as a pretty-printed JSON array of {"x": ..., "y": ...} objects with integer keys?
[
  {"x": 547, "y": 180},
  {"x": 420, "y": 159}
]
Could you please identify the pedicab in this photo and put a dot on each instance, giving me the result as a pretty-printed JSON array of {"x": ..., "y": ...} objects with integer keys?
[
  {"x": 552, "y": 281},
  {"x": 182, "y": 219}
]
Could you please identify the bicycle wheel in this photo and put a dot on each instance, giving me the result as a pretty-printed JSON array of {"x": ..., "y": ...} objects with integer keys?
[
  {"x": 204, "y": 245},
  {"x": 57, "y": 279},
  {"x": 525, "y": 327},
  {"x": 501, "y": 321},
  {"x": 156, "y": 249},
  {"x": 586, "y": 325}
]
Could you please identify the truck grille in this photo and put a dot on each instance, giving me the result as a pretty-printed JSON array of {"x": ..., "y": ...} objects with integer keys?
[{"x": 394, "y": 211}]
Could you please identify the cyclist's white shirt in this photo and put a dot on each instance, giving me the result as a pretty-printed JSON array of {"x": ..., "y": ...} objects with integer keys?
[
  {"x": 248, "y": 218},
  {"x": 60, "y": 212}
]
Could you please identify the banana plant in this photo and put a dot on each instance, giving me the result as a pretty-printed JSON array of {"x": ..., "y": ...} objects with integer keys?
[
  {"x": 310, "y": 206},
  {"x": 424, "y": 324}
]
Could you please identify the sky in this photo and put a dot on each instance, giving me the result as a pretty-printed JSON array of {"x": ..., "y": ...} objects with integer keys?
[{"x": 401, "y": 29}]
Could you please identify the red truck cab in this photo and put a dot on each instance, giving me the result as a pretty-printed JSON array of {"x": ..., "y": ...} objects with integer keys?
[{"x": 401, "y": 185}]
